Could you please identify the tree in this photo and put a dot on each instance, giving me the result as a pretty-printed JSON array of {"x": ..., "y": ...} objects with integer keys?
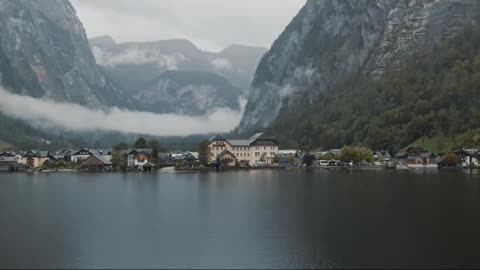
[
  {"x": 204, "y": 154},
  {"x": 140, "y": 143},
  {"x": 263, "y": 158},
  {"x": 276, "y": 159},
  {"x": 291, "y": 159},
  {"x": 119, "y": 161},
  {"x": 452, "y": 159},
  {"x": 352, "y": 154},
  {"x": 308, "y": 159}
]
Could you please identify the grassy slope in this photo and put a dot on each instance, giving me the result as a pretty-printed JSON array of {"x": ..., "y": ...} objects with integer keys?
[{"x": 438, "y": 143}]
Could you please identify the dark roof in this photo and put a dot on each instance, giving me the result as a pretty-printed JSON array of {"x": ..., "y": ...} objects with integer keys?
[
  {"x": 401, "y": 154},
  {"x": 216, "y": 138},
  {"x": 38, "y": 154},
  {"x": 75, "y": 152},
  {"x": 102, "y": 159},
  {"x": 425, "y": 155},
  {"x": 224, "y": 153}
]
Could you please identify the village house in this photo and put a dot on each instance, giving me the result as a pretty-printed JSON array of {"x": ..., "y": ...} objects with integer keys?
[
  {"x": 96, "y": 163},
  {"x": 137, "y": 158},
  {"x": 259, "y": 149},
  {"x": 186, "y": 160},
  {"x": 80, "y": 155},
  {"x": 381, "y": 157},
  {"x": 105, "y": 153},
  {"x": 470, "y": 158},
  {"x": 37, "y": 159},
  {"x": 417, "y": 157},
  {"x": 63, "y": 155},
  {"x": 11, "y": 162}
]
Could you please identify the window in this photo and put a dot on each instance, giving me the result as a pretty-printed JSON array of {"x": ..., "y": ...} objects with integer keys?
[{"x": 265, "y": 148}]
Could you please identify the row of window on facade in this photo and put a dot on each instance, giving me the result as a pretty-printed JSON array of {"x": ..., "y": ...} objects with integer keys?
[{"x": 221, "y": 148}]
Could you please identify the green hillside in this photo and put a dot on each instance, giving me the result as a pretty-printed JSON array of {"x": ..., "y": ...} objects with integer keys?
[{"x": 433, "y": 97}]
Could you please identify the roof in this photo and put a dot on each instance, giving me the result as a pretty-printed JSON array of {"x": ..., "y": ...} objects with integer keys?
[
  {"x": 38, "y": 154},
  {"x": 216, "y": 138},
  {"x": 336, "y": 151},
  {"x": 224, "y": 153},
  {"x": 75, "y": 152},
  {"x": 239, "y": 142},
  {"x": 256, "y": 136},
  {"x": 101, "y": 159},
  {"x": 425, "y": 155},
  {"x": 401, "y": 154}
]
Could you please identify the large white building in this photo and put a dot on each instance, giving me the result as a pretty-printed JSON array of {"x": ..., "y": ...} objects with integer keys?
[{"x": 259, "y": 149}]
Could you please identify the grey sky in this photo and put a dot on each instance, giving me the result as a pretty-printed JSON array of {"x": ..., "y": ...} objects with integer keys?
[{"x": 210, "y": 24}]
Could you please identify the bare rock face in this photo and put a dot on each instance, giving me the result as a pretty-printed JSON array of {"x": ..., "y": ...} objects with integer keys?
[
  {"x": 331, "y": 41},
  {"x": 44, "y": 52}
]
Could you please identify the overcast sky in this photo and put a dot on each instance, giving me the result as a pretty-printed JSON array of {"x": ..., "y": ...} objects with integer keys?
[{"x": 210, "y": 24}]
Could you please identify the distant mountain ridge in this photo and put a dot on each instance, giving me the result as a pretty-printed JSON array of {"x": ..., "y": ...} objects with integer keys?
[{"x": 146, "y": 60}]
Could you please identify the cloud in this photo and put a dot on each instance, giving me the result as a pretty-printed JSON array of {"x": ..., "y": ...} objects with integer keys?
[
  {"x": 137, "y": 57},
  {"x": 211, "y": 24},
  {"x": 221, "y": 64},
  {"x": 74, "y": 117}
]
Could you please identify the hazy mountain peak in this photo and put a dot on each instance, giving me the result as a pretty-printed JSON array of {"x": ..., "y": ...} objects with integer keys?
[{"x": 104, "y": 42}]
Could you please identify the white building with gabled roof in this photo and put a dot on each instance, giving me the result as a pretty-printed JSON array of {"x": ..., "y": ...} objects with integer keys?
[{"x": 259, "y": 149}]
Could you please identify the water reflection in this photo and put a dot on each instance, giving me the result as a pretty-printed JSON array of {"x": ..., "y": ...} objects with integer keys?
[{"x": 245, "y": 219}]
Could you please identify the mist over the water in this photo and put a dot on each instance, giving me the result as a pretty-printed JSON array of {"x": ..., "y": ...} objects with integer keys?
[{"x": 75, "y": 117}]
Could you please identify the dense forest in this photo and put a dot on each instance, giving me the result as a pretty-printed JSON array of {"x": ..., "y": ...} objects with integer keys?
[{"x": 434, "y": 93}]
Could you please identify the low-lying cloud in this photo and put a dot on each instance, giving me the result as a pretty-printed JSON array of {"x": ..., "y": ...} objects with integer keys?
[
  {"x": 134, "y": 56},
  {"x": 75, "y": 117}
]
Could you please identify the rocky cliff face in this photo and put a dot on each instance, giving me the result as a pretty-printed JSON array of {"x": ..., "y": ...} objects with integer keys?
[
  {"x": 332, "y": 41},
  {"x": 144, "y": 61},
  {"x": 44, "y": 52},
  {"x": 188, "y": 93}
]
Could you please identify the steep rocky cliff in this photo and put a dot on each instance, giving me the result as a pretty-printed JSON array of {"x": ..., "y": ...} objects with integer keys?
[
  {"x": 44, "y": 52},
  {"x": 333, "y": 41}
]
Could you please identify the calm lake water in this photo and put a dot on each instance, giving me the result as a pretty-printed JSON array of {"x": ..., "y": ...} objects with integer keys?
[{"x": 248, "y": 219}]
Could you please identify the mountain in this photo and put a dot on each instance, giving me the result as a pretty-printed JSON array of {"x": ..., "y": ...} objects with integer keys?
[
  {"x": 332, "y": 45},
  {"x": 188, "y": 93},
  {"x": 44, "y": 52},
  {"x": 144, "y": 61}
]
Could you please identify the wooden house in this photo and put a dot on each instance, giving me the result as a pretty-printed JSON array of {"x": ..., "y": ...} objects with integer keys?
[{"x": 96, "y": 163}]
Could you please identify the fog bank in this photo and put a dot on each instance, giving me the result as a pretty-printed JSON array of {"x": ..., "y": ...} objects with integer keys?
[{"x": 75, "y": 117}]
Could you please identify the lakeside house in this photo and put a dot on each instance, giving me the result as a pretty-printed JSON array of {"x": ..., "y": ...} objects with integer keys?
[
  {"x": 470, "y": 158},
  {"x": 185, "y": 160},
  {"x": 258, "y": 150},
  {"x": 137, "y": 158},
  {"x": 96, "y": 163},
  {"x": 417, "y": 157},
  {"x": 80, "y": 155},
  {"x": 37, "y": 159}
]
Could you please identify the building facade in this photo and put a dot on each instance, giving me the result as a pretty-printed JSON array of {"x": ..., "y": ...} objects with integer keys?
[{"x": 259, "y": 149}]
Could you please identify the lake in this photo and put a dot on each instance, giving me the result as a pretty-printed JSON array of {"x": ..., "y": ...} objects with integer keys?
[{"x": 244, "y": 219}]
